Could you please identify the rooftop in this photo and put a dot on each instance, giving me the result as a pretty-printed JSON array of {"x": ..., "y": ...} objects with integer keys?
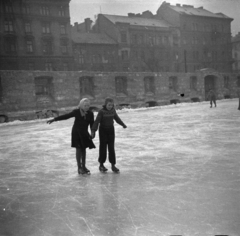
[
  {"x": 200, "y": 11},
  {"x": 137, "y": 21}
]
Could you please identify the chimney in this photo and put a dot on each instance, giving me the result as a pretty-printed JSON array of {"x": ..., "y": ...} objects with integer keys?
[
  {"x": 88, "y": 23},
  {"x": 200, "y": 8},
  {"x": 178, "y": 5},
  {"x": 131, "y": 14}
]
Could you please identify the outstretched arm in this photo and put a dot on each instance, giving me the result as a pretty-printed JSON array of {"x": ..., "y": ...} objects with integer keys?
[{"x": 62, "y": 117}]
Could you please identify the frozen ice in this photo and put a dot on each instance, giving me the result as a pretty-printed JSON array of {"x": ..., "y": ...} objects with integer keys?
[{"x": 179, "y": 175}]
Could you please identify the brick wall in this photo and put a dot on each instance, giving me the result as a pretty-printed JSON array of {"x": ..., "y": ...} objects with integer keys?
[{"x": 18, "y": 89}]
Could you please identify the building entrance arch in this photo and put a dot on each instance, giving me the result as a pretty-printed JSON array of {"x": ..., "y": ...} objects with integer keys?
[{"x": 210, "y": 82}]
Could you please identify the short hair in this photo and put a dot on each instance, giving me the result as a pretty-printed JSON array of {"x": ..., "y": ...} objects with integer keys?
[{"x": 107, "y": 100}]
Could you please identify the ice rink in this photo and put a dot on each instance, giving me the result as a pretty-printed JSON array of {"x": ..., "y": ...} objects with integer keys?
[{"x": 179, "y": 175}]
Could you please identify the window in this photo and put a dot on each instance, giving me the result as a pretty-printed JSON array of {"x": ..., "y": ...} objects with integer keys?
[
  {"x": 96, "y": 58},
  {"x": 165, "y": 40},
  {"x": 149, "y": 84},
  {"x": 28, "y": 28},
  {"x": 10, "y": 45},
  {"x": 81, "y": 59},
  {"x": 47, "y": 47},
  {"x": 86, "y": 86},
  {"x": 48, "y": 66},
  {"x": 121, "y": 85},
  {"x": 26, "y": 9},
  {"x": 140, "y": 39},
  {"x": 43, "y": 86},
  {"x": 44, "y": 10},
  {"x": 61, "y": 11},
  {"x": 46, "y": 28},
  {"x": 134, "y": 39},
  {"x": 123, "y": 37},
  {"x": 8, "y": 26},
  {"x": 238, "y": 81},
  {"x": 173, "y": 83},
  {"x": 159, "y": 40},
  {"x": 124, "y": 55},
  {"x": 64, "y": 48},
  {"x": 151, "y": 40},
  {"x": 8, "y": 7},
  {"x": 63, "y": 29},
  {"x": 29, "y": 44},
  {"x": 175, "y": 40},
  {"x": 1, "y": 90},
  {"x": 226, "y": 81},
  {"x": 193, "y": 82}
]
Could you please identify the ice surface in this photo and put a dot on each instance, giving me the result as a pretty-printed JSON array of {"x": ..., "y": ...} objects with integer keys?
[{"x": 180, "y": 175}]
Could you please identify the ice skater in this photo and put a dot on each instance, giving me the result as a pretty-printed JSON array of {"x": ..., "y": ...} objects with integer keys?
[
  {"x": 212, "y": 98},
  {"x": 238, "y": 94},
  {"x": 105, "y": 118},
  {"x": 81, "y": 139}
]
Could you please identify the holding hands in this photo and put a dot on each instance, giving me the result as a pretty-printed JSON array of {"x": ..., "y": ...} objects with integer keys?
[{"x": 93, "y": 134}]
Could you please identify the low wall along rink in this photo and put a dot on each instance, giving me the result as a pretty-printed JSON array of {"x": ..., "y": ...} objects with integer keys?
[{"x": 27, "y": 95}]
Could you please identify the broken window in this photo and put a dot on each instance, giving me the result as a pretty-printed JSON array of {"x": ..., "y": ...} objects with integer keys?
[
  {"x": 149, "y": 84},
  {"x": 121, "y": 84},
  {"x": 173, "y": 83},
  {"x": 238, "y": 81},
  {"x": 226, "y": 81},
  {"x": 44, "y": 86},
  {"x": 193, "y": 82},
  {"x": 86, "y": 86},
  {"x": 1, "y": 90}
]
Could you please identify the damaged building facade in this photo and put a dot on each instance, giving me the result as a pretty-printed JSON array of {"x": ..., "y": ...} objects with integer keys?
[{"x": 36, "y": 94}]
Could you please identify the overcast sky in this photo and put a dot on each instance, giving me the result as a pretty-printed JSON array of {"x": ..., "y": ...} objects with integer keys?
[{"x": 81, "y": 9}]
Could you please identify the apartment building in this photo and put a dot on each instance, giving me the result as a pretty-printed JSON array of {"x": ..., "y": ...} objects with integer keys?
[{"x": 35, "y": 35}]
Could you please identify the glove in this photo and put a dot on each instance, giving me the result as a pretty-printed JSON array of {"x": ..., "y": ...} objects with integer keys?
[
  {"x": 124, "y": 126},
  {"x": 50, "y": 121}
]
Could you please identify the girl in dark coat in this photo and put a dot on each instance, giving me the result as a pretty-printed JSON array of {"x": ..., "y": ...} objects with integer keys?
[
  {"x": 81, "y": 139},
  {"x": 105, "y": 118}
]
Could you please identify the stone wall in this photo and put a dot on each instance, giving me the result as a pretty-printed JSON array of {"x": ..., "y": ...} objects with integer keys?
[{"x": 18, "y": 89}]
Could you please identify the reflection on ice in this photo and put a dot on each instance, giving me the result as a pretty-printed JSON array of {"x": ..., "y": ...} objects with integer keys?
[{"x": 179, "y": 176}]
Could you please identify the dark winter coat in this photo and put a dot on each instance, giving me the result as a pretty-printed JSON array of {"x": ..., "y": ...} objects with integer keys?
[
  {"x": 105, "y": 119},
  {"x": 80, "y": 136},
  {"x": 211, "y": 95}
]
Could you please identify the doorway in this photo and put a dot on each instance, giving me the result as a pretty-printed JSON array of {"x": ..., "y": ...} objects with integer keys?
[{"x": 209, "y": 83}]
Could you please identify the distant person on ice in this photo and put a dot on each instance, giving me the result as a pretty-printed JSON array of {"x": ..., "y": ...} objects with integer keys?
[
  {"x": 212, "y": 97},
  {"x": 81, "y": 139},
  {"x": 105, "y": 118},
  {"x": 238, "y": 94}
]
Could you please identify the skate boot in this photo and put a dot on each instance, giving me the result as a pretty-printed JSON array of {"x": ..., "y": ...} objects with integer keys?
[
  {"x": 115, "y": 169},
  {"x": 103, "y": 169},
  {"x": 87, "y": 170},
  {"x": 81, "y": 171}
]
